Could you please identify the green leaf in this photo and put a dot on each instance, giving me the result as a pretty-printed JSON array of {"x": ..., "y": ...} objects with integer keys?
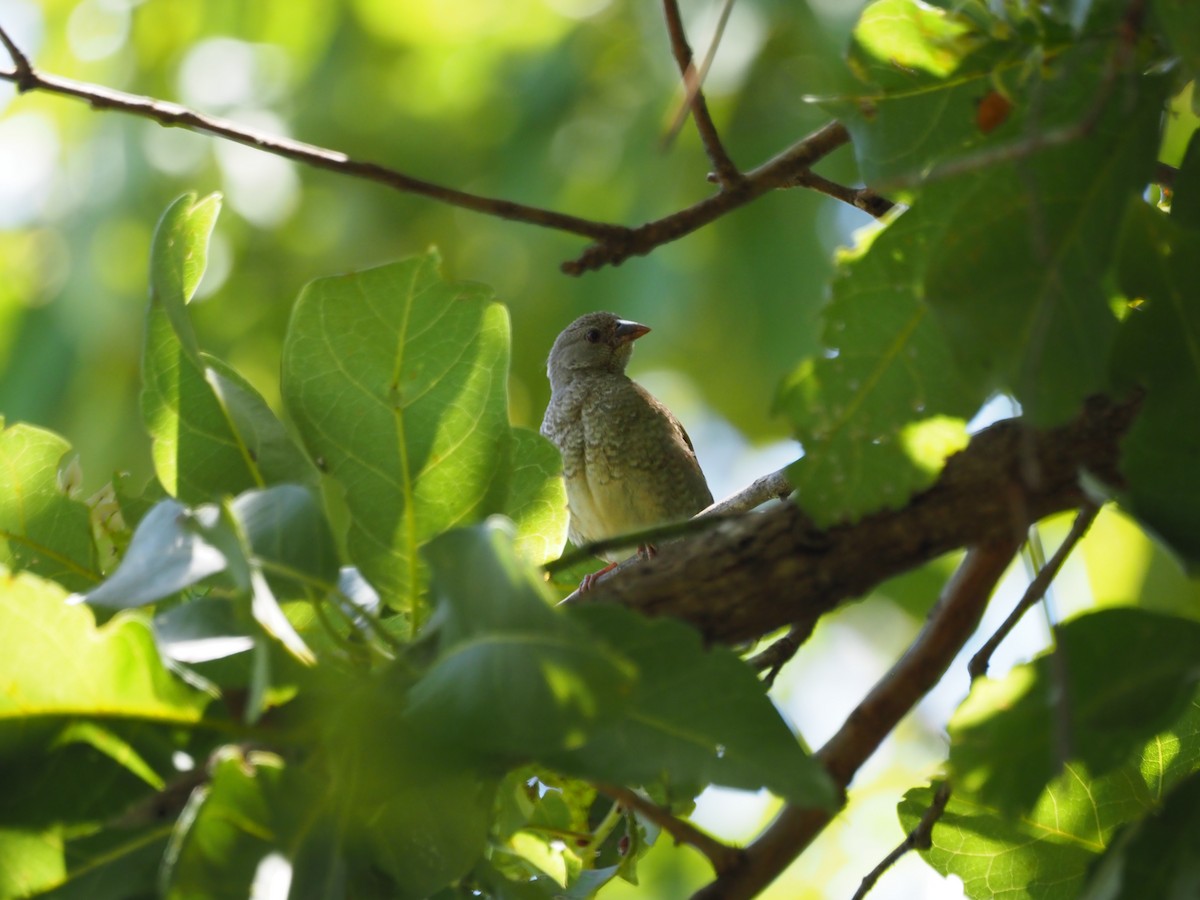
[
  {"x": 923, "y": 73},
  {"x": 513, "y": 679},
  {"x": 212, "y": 433},
  {"x": 171, "y": 549},
  {"x": 914, "y": 35},
  {"x": 114, "y": 864},
  {"x": 411, "y": 808},
  {"x": 1158, "y": 856},
  {"x": 232, "y": 824},
  {"x": 29, "y": 862},
  {"x": 1045, "y": 854},
  {"x": 1180, "y": 24},
  {"x": 1159, "y": 348},
  {"x": 1122, "y": 676},
  {"x": 876, "y": 411},
  {"x": 289, "y": 537},
  {"x": 178, "y": 258},
  {"x": 537, "y": 498},
  {"x": 41, "y": 528},
  {"x": 55, "y": 664},
  {"x": 696, "y": 716},
  {"x": 1018, "y": 279},
  {"x": 396, "y": 380}
]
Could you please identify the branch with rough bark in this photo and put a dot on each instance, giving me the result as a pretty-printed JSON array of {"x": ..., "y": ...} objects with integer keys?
[{"x": 750, "y": 575}]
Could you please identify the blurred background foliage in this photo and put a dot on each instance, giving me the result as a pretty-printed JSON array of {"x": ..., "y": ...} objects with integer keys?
[{"x": 559, "y": 103}]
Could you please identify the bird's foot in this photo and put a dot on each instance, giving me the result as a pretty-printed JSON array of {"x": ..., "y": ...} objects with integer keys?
[
  {"x": 647, "y": 551},
  {"x": 590, "y": 580}
]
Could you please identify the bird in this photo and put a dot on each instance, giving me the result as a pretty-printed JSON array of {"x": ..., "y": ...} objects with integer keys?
[{"x": 628, "y": 464}]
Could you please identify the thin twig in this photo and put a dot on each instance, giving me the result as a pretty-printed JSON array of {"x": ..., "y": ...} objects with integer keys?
[
  {"x": 861, "y": 198},
  {"x": 920, "y": 838},
  {"x": 727, "y": 173},
  {"x": 613, "y": 243},
  {"x": 701, "y": 73},
  {"x": 722, "y": 856},
  {"x": 23, "y": 73},
  {"x": 950, "y": 624},
  {"x": 1037, "y": 587},
  {"x": 775, "y": 657}
]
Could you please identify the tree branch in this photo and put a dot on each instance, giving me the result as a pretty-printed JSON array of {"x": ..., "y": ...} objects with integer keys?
[
  {"x": 920, "y": 838},
  {"x": 950, "y": 624},
  {"x": 613, "y": 243},
  {"x": 1036, "y": 589},
  {"x": 726, "y": 172},
  {"x": 723, "y": 857},
  {"x": 751, "y": 575}
]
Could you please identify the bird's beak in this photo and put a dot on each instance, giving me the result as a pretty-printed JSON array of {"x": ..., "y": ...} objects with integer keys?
[{"x": 627, "y": 331}]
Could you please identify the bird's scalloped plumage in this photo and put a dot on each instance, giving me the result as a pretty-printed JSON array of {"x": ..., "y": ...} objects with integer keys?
[{"x": 627, "y": 462}]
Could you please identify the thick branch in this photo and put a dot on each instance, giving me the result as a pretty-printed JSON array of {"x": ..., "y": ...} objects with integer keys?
[
  {"x": 753, "y": 574},
  {"x": 950, "y": 624}
]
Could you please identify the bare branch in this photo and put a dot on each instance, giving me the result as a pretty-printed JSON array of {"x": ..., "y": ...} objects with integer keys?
[
  {"x": 727, "y": 173},
  {"x": 1037, "y": 588},
  {"x": 614, "y": 243},
  {"x": 950, "y": 624},
  {"x": 775, "y": 657},
  {"x": 920, "y": 838},
  {"x": 779, "y": 172},
  {"x": 686, "y": 106},
  {"x": 723, "y": 857}
]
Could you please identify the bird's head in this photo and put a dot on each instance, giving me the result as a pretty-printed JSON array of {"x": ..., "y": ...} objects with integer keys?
[{"x": 599, "y": 342}]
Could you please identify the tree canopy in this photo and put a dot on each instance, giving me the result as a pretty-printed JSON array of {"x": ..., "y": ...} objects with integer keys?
[{"x": 317, "y": 635}]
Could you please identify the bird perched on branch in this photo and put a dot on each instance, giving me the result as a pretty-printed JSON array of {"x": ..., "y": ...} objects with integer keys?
[{"x": 627, "y": 462}]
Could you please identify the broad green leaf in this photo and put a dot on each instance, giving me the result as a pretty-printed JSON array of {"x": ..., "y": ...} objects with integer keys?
[
  {"x": 55, "y": 664},
  {"x": 407, "y": 806},
  {"x": 289, "y": 536},
  {"x": 1123, "y": 675},
  {"x": 29, "y": 862},
  {"x": 1180, "y": 23},
  {"x": 233, "y": 824},
  {"x": 1045, "y": 854},
  {"x": 202, "y": 630},
  {"x": 914, "y": 35},
  {"x": 923, "y": 73},
  {"x": 113, "y": 864},
  {"x": 1158, "y": 856},
  {"x": 171, "y": 549},
  {"x": 876, "y": 412},
  {"x": 1185, "y": 196},
  {"x": 396, "y": 381},
  {"x": 178, "y": 258},
  {"x": 513, "y": 678},
  {"x": 41, "y": 528},
  {"x": 1018, "y": 279},
  {"x": 537, "y": 498},
  {"x": 1159, "y": 348},
  {"x": 212, "y": 433},
  {"x": 697, "y": 715}
]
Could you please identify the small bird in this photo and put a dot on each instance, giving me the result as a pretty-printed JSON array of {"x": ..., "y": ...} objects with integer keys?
[{"x": 627, "y": 462}]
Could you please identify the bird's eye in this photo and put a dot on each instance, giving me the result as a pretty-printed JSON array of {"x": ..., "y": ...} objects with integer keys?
[{"x": 593, "y": 335}]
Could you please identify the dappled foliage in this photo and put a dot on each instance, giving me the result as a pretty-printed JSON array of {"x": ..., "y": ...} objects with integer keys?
[{"x": 306, "y": 646}]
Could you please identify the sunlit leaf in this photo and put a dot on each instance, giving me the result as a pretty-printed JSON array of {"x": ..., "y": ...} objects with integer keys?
[
  {"x": 1046, "y": 854},
  {"x": 396, "y": 380},
  {"x": 1123, "y": 675},
  {"x": 41, "y": 528}
]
